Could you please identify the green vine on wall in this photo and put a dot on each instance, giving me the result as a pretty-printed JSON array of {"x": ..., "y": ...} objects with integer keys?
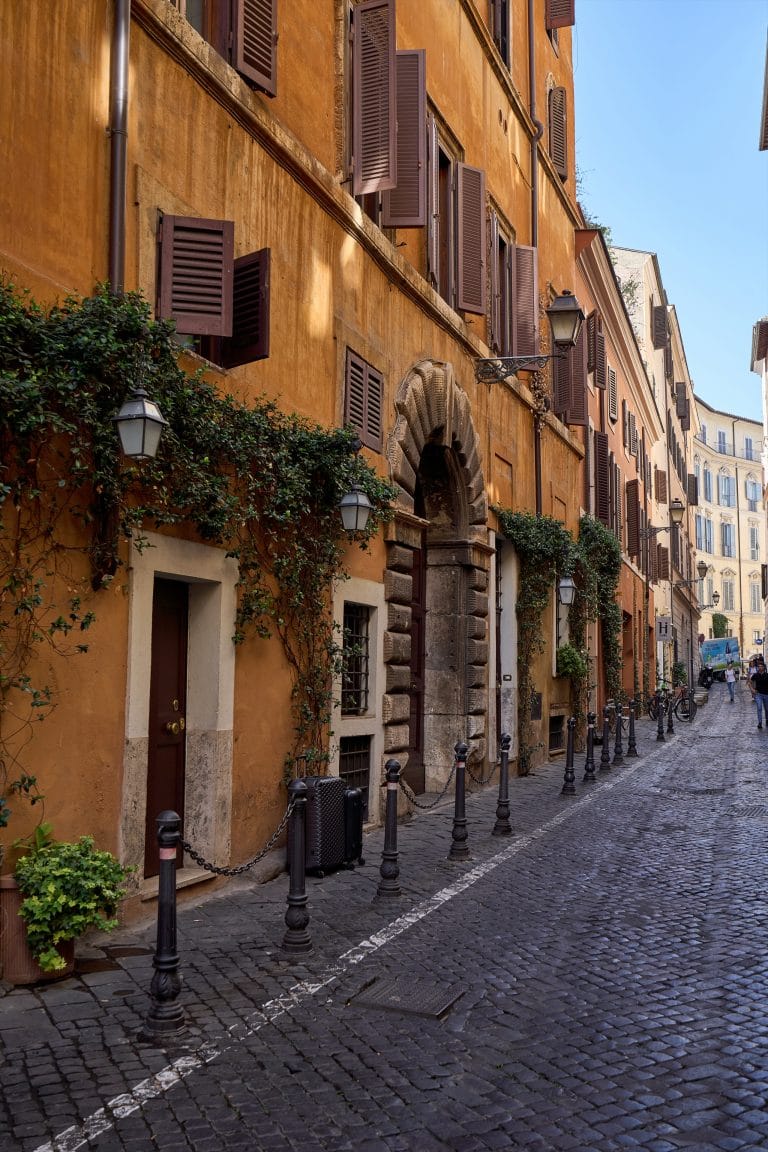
[
  {"x": 261, "y": 483},
  {"x": 599, "y": 569},
  {"x": 545, "y": 550}
]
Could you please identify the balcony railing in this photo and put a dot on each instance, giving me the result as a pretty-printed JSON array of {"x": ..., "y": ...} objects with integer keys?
[{"x": 728, "y": 448}]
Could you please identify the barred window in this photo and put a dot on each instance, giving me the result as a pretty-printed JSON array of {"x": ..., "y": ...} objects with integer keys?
[{"x": 355, "y": 658}]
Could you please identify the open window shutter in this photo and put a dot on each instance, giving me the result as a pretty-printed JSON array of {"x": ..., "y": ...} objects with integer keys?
[
  {"x": 195, "y": 276},
  {"x": 653, "y": 559},
  {"x": 363, "y": 395},
  {"x": 764, "y": 581},
  {"x": 659, "y": 326},
  {"x": 633, "y": 517},
  {"x": 668, "y": 362},
  {"x": 471, "y": 239},
  {"x": 495, "y": 341},
  {"x": 680, "y": 398},
  {"x": 591, "y": 336},
  {"x": 663, "y": 562},
  {"x": 374, "y": 90},
  {"x": 561, "y": 387},
  {"x": 624, "y": 423},
  {"x": 255, "y": 49},
  {"x": 433, "y": 202},
  {"x": 613, "y": 399},
  {"x": 558, "y": 134},
  {"x": 602, "y": 481},
  {"x": 560, "y": 13},
  {"x": 693, "y": 489},
  {"x": 250, "y": 311},
  {"x": 685, "y": 419},
  {"x": 525, "y": 305},
  {"x": 633, "y": 434},
  {"x": 601, "y": 368},
  {"x": 661, "y": 486},
  {"x": 577, "y": 363},
  {"x": 618, "y": 508},
  {"x": 405, "y": 206}
]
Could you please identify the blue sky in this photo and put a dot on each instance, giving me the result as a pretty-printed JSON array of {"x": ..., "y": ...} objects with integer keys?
[{"x": 668, "y": 104}]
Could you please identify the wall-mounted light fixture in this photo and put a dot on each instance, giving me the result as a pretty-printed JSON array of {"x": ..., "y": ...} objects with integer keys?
[
  {"x": 565, "y": 320},
  {"x": 139, "y": 425}
]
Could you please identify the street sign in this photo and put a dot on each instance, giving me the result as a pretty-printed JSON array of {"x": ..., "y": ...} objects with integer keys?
[{"x": 663, "y": 628}]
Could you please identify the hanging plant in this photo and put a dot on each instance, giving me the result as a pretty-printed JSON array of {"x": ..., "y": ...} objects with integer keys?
[{"x": 258, "y": 482}]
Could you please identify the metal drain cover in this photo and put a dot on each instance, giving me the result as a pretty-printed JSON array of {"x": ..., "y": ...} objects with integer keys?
[
  {"x": 752, "y": 811},
  {"x": 415, "y": 997}
]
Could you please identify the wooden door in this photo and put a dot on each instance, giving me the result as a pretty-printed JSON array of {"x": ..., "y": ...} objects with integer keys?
[
  {"x": 414, "y": 773},
  {"x": 167, "y": 710}
]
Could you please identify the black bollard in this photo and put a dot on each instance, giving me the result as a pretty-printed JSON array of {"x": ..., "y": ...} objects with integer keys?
[
  {"x": 459, "y": 848},
  {"x": 297, "y": 941},
  {"x": 618, "y": 746},
  {"x": 589, "y": 763},
  {"x": 659, "y": 716},
  {"x": 389, "y": 870},
  {"x": 165, "y": 1019},
  {"x": 502, "y": 827},
  {"x": 631, "y": 739},
  {"x": 605, "y": 751},
  {"x": 670, "y": 711},
  {"x": 569, "y": 780}
]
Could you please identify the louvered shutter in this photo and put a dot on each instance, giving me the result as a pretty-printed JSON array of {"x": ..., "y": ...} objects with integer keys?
[
  {"x": 633, "y": 517},
  {"x": 250, "y": 311},
  {"x": 363, "y": 400},
  {"x": 525, "y": 307},
  {"x": 195, "y": 275},
  {"x": 558, "y": 134},
  {"x": 561, "y": 387},
  {"x": 685, "y": 419},
  {"x": 601, "y": 369},
  {"x": 680, "y": 399},
  {"x": 668, "y": 363},
  {"x": 613, "y": 399},
  {"x": 578, "y": 413},
  {"x": 433, "y": 203},
  {"x": 764, "y": 581},
  {"x": 663, "y": 562},
  {"x": 653, "y": 560},
  {"x": 661, "y": 486},
  {"x": 693, "y": 489},
  {"x": 405, "y": 206},
  {"x": 495, "y": 337},
  {"x": 255, "y": 47},
  {"x": 659, "y": 326},
  {"x": 618, "y": 508},
  {"x": 471, "y": 239},
  {"x": 560, "y": 13},
  {"x": 602, "y": 481},
  {"x": 625, "y": 423},
  {"x": 591, "y": 340},
  {"x": 632, "y": 434},
  {"x": 374, "y": 90}
]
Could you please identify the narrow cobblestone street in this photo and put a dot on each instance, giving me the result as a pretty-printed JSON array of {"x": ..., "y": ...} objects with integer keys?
[{"x": 596, "y": 981}]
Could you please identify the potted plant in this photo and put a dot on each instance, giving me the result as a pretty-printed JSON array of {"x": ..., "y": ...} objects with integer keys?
[{"x": 59, "y": 891}]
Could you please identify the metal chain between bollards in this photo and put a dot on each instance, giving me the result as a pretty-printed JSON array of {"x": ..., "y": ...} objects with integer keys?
[
  {"x": 238, "y": 871},
  {"x": 480, "y": 782},
  {"x": 411, "y": 797}
]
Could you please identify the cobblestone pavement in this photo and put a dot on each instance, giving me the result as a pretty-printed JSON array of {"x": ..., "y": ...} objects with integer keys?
[{"x": 596, "y": 981}]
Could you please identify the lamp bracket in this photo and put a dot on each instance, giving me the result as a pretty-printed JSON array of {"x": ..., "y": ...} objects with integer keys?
[{"x": 494, "y": 369}]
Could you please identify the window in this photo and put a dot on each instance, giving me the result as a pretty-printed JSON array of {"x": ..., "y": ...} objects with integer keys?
[
  {"x": 749, "y": 452},
  {"x": 513, "y": 305},
  {"x": 699, "y": 532},
  {"x": 722, "y": 445},
  {"x": 754, "y": 542},
  {"x": 355, "y": 660},
  {"x": 355, "y": 765},
  {"x": 726, "y": 495},
  {"x": 456, "y": 229},
  {"x": 728, "y": 596},
  {"x": 703, "y": 433},
  {"x": 363, "y": 399},
  {"x": 498, "y": 16},
  {"x": 707, "y": 484},
  {"x": 244, "y": 32},
  {"x": 710, "y": 590},
  {"x": 757, "y": 636},
  {"x": 727, "y": 540},
  {"x": 752, "y": 492},
  {"x": 708, "y": 537},
  {"x": 222, "y": 303},
  {"x": 755, "y": 601}
]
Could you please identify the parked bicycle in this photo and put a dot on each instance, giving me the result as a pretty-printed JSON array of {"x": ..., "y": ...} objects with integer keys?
[{"x": 679, "y": 699}]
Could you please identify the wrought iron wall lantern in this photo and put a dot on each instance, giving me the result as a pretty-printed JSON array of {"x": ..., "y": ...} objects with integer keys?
[
  {"x": 139, "y": 425},
  {"x": 565, "y": 320},
  {"x": 676, "y": 514},
  {"x": 566, "y": 590},
  {"x": 355, "y": 506}
]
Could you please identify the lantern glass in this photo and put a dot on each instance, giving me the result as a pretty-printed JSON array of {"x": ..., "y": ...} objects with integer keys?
[
  {"x": 140, "y": 425},
  {"x": 355, "y": 508},
  {"x": 566, "y": 590},
  {"x": 676, "y": 511},
  {"x": 565, "y": 318}
]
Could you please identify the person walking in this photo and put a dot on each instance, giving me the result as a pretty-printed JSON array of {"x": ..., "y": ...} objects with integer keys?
[
  {"x": 730, "y": 679},
  {"x": 759, "y": 679}
]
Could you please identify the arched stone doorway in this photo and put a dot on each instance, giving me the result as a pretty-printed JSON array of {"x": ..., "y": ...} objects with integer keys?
[{"x": 436, "y": 583}]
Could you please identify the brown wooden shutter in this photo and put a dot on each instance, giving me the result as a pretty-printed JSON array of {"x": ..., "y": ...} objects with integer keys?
[
  {"x": 685, "y": 419},
  {"x": 659, "y": 326},
  {"x": 633, "y": 517},
  {"x": 661, "y": 486},
  {"x": 374, "y": 90},
  {"x": 558, "y": 133},
  {"x": 613, "y": 398},
  {"x": 525, "y": 306},
  {"x": 653, "y": 559},
  {"x": 255, "y": 46},
  {"x": 405, "y": 206},
  {"x": 471, "y": 239},
  {"x": 560, "y": 13},
  {"x": 669, "y": 366},
  {"x": 578, "y": 412},
  {"x": 764, "y": 580},
  {"x": 363, "y": 397},
  {"x": 250, "y": 311},
  {"x": 495, "y": 338},
  {"x": 561, "y": 387},
  {"x": 591, "y": 339},
  {"x": 601, "y": 368},
  {"x": 433, "y": 202},
  {"x": 602, "y": 479},
  {"x": 618, "y": 507},
  {"x": 195, "y": 274},
  {"x": 625, "y": 423},
  {"x": 680, "y": 398},
  {"x": 663, "y": 563},
  {"x": 632, "y": 434},
  {"x": 693, "y": 489}
]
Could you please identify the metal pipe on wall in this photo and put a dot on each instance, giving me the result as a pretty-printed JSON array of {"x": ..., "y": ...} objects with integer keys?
[{"x": 118, "y": 139}]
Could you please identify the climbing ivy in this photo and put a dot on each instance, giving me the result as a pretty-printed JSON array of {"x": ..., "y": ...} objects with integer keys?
[
  {"x": 545, "y": 550},
  {"x": 259, "y": 482},
  {"x": 599, "y": 569}
]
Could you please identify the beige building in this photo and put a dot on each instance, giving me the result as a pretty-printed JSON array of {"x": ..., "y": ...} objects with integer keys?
[{"x": 730, "y": 523}]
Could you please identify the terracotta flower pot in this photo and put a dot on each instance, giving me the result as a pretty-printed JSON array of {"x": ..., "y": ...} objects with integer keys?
[{"x": 17, "y": 964}]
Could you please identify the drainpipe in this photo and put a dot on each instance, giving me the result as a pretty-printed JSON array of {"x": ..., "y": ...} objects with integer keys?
[
  {"x": 742, "y": 646},
  {"x": 118, "y": 137},
  {"x": 538, "y": 416}
]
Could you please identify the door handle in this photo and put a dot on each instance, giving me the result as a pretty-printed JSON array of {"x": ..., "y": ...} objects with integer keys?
[{"x": 172, "y": 727}]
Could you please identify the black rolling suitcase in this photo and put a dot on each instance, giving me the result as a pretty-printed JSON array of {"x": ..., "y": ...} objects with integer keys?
[
  {"x": 325, "y": 847},
  {"x": 353, "y": 826}
]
